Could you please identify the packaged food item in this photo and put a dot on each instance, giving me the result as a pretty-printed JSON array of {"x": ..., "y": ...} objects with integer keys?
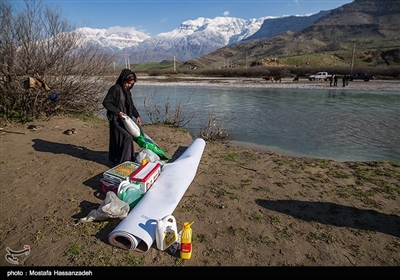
[
  {"x": 146, "y": 175},
  {"x": 120, "y": 172}
]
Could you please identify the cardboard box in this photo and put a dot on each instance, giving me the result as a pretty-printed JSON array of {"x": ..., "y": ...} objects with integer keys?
[{"x": 146, "y": 175}]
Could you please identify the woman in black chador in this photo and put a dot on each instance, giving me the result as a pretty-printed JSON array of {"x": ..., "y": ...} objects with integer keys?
[{"x": 118, "y": 102}]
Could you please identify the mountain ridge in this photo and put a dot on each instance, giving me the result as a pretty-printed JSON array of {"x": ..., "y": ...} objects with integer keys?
[
  {"x": 193, "y": 38},
  {"x": 369, "y": 24},
  {"x": 204, "y": 41}
]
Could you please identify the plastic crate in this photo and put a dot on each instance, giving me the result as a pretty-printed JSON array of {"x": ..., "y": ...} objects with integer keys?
[{"x": 108, "y": 186}]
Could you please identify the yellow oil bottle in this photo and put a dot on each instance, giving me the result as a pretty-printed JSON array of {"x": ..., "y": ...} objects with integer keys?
[{"x": 186, "y": 241}]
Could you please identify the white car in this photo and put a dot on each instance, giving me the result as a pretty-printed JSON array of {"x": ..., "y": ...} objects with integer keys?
[{"x": 319, "y": 76}]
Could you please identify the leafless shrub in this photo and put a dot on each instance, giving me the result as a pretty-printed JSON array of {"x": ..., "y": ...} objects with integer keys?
[
  {"x": 36, "y": 42},
  {"x": 212, "y": 131},
  {"x": 172, "y": 114}
]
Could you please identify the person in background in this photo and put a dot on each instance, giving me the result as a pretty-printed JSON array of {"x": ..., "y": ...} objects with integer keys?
[
  {"x": 345, "y": 80},
  {"x": 335, "y": 79},
  {"x": 118, "y": 102},
  {"x": 331, "y": 79}
]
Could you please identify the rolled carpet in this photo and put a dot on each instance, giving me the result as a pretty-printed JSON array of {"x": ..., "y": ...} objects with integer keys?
[{"x": 138, "y": 229}]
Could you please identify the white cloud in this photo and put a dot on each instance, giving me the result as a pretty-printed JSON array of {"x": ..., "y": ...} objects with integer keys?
[
  {"x": 119, "y": 29},
  {"x": 226, "y": 13}
]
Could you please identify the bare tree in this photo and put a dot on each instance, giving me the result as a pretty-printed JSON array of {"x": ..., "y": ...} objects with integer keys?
[{"x": 35, "y": 42}]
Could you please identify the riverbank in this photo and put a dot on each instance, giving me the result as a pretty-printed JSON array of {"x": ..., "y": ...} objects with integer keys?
[
  {"x": 373, "y": 85},
  {"x": 250, "y": 207}
]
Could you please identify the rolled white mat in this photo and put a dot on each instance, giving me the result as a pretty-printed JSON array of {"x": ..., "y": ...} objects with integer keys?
[
  {"x": 138, "y": 229},
  {"x": 123, "y": 239}
]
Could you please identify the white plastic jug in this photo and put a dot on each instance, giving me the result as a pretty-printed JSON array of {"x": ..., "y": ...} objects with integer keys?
[{"x": 166, "y": 233}]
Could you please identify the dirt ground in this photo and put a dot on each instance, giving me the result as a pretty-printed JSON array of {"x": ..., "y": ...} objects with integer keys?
[{"x": 251, "y": 208}]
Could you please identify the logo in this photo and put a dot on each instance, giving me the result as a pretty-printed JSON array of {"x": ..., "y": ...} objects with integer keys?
[{"x": 11, "y": 254}]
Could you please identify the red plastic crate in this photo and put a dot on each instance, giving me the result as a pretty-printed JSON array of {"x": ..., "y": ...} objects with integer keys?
[{"x": 108, "y": 186}]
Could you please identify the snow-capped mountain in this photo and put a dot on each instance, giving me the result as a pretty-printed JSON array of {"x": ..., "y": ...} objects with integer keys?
[
  {"x": 114, "y": 38},
  {"x": 193, "y": 38}
]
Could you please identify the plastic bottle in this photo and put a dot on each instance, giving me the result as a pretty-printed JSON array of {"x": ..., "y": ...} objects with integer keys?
[
  {"x": 166, "y": 233},
  {"x": 186, "y": 241}
]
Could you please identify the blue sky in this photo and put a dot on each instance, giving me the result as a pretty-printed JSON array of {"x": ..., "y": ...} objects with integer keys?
[{"x": 154, "y": 17}]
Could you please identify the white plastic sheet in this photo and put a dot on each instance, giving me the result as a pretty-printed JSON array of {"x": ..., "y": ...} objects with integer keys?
[{"x": 111, "y": 207}]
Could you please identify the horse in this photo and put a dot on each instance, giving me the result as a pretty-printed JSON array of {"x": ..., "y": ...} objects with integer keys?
[{"x": 272, "y": 78}]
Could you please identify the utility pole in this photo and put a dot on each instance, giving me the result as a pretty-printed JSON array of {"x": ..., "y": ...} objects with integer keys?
[
  {"x": 174, "y": 65},
  {"x": 127, "y": 62},
  {"x": 352, "y": 59}
]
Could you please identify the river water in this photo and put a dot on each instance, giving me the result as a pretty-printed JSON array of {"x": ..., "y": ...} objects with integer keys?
[{"x": 331, "y": 124}]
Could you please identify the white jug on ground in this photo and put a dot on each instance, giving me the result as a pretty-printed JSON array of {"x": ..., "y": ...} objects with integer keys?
[{"x": 166, "y": 232}]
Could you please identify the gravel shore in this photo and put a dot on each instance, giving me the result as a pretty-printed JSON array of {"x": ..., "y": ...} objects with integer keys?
[{"x": 374, "y": 85}]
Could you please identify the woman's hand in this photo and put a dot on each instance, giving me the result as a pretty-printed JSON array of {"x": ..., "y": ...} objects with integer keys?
[
  {"x": 121, "y": 114},
  {"x": 138, "y": 121}
]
